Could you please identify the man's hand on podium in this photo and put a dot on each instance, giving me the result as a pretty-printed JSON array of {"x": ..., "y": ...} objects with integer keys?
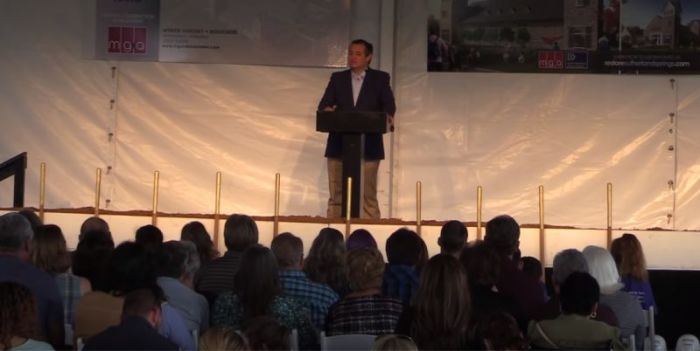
[{"x": 330, "y": 108}]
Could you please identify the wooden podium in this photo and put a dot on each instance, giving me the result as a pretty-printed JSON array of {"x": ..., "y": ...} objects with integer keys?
[{"x": 352, "y": 125}]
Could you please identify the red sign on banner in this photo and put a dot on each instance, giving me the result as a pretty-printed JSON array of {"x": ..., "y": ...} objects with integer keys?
[
  {"x": 552, "y": 59},
  {"x": 126, "y": 40}
]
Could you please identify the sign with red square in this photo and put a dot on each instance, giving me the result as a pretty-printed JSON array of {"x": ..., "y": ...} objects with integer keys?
[
  {"x": 551, "y": 59},
  {"x": 127, "y": 40}
]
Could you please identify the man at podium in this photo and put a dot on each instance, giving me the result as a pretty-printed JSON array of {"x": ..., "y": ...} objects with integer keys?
[{"x": 359, "y": 88}]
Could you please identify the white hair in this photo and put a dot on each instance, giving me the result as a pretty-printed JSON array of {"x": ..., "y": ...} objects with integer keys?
[
  {"x": 602, "y": 267},
  {"x": 15, "y": 231}
]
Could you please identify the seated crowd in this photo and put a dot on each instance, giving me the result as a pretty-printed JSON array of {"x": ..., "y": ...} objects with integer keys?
[{"x": 150, "y": 294}]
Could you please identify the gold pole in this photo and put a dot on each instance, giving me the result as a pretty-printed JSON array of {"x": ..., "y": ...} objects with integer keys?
[
  {"x": 479, "y": 203},
  {"x": 276, "y": 223},
  {"x": 42, "y": 190},
  {"x": 156, "y": 181},
  {"x": 348, "y": 206},
  {"x": 542, "y": 231},
  {"x": 609, "y": 237},
  {"x": 418, "y": 207},
  {"x": 98, "y": 190},
  {"x": 217, "y": 209}
]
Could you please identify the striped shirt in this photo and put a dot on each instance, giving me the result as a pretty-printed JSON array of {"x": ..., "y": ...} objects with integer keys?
[
  {"x": 217, "y": 275},
  {"x": 318, "y": 298},
  {"x": 374, "y": 315},
  {"x": 69, "y": 288}
]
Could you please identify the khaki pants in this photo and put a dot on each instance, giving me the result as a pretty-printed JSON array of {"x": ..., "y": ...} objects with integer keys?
[{"x": 370, "y": 205}]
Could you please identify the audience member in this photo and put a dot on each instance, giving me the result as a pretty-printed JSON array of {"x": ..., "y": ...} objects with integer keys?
[
  {"x": 258, "y": 292},
  {"x": 532, "y": 267},
  {"x": 223, "y": 338},
  {"x": 483, "y": 267},
  {"x": 289, "y": 251},
  {"x": 574, "y": 329},
  {"x": 453, "y": 238},
  {"x": 93, "y": 224},
  {"x": 360, "y": 238},
  {"x": 404, "y": 252},
  {"x": 629, "y": 257},
  {"x": 394, "y": 342},
  {"x": 137, "y": 330},
  {"x": 500, "y": 331},
  {"x": 32, "y": 217},
  {"x": 18, "y": 319},
  {"x": 197, "y": 233},
  {"x": 438, "y": 318},
  {"x": 91, "y": 256},
  {"x": 503, "y": 236},
  {"x": 15, "y": 247},
  {"x": 130, "y": 267},
  {"x": 266, "y": 333},
  {"x": 365, "y": 310},
  {"x": 566, "y": 262},
  {"x": 150, "y": 236},
  {"x": 215, "y": 277},
  {"x": 51, "y": 255},
  {"x": 175, "y": 278},
  {"x": 630, "y": 316},
  {"x": 326, "y": 262}
]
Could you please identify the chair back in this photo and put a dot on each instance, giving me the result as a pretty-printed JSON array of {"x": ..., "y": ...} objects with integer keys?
[
  {"x": 348, "y": 342},
  {"x": 658, "y": 343},
  {"x": 294, "y": 340},
  {"x": 631, "y": 344},
  {"x": 687, "y": 342}
]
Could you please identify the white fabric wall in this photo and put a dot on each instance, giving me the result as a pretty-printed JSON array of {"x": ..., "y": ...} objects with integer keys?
[{"x": 507, "y": 132}]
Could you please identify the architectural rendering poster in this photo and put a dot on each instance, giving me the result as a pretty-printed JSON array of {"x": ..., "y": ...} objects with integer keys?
[
  {"x": 264, "y": 32},
  {"x": 564, "y": 36}
]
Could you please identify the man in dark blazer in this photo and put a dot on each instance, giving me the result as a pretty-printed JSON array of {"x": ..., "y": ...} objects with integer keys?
[
  {"x": 138, "y": 329},
  {"x": 359, "y": 88}
]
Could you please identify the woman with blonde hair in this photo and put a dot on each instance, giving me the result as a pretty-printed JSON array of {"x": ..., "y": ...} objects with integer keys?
[
  {"x": 629, "y": 257},
  {"x": 364, "y": 310},
  {"x": 223, "y": 338}
]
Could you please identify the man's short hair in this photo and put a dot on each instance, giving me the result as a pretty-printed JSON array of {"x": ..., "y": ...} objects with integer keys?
[
  {"x": 91, "y": 224},
  {"x": 193, "y": 262},
  {"x": 149, "y": 235},
  {"x": 453, "y": 237},
  {"x": 368, "y": 46},
  {"x": 172, "y": 260},
  {"x": 579, "y": 293},
  {"x": 503, "y": 234},
  {"x": 15, "y": 231},
  {"x": 404, "y": 247},
  {"x": 288, "y": 249},
  {"x": 566, "y": 262},
  {"x": 240, "y": 232},
  {"x": 141, "y": 301}
]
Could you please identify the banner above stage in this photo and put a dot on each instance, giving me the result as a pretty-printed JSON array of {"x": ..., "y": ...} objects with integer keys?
[
  {"x": 262, "y": 32},
  {"x": 564, "y": 36}
]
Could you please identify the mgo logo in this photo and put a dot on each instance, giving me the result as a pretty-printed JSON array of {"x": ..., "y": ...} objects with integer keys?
[
  {"x": 126, "y": 40},
  {"x": 550, "y": 59}
]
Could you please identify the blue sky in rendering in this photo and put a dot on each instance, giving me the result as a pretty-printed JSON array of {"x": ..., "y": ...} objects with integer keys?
[{"x": 640, "y": 12}]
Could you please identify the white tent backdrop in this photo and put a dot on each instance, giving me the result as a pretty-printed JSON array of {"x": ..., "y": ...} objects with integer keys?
[{"x": 509, "y": 133}]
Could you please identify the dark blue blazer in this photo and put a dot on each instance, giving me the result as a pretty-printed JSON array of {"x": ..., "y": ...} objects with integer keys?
[
  {"x": 133, "y": 333},
  {"x": 375, "y": 96}
]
